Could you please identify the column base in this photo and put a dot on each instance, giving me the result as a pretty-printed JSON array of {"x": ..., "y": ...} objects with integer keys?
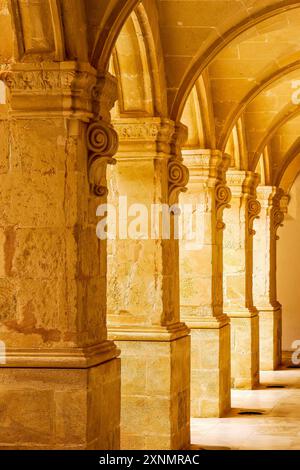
[
  {"x": 210, "y": 385},
  {"x": 244, "y": 348},
  {"x": 155, "y": 387},
  {"x": 60, "y": 408},
  {"x": 270, "y": 328}
]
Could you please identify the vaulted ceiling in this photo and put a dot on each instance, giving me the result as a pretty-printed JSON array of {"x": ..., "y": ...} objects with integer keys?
[
  {"x": 229, "y": 68},
  {"x": 253, "y": 85}
]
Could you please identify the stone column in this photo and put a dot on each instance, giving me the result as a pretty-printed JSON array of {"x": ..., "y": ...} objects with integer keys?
[
  {"x": 201, "y": 284},
  {"x": 60, "y": 384},
  {"x": 264, "y": 287},
  {"x": 143, "y": 295},
  {"x": 238, "y": 282}
]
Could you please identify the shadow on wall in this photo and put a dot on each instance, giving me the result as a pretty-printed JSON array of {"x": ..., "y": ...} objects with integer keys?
[{"x": 288, "y": 268}]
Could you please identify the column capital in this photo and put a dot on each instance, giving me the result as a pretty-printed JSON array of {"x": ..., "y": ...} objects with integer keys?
[
  {"x": 151, "y": 139},
  {"x": 142, "y": 138},
  {"x": 284, "y": 202},
  {"x": 72, "y": 89},
  {"x": 150, "y": 333},
  {"x": 243, "y": 186},
  {"x": 242, "y": 182},
  {"x": 206, "y": 165},
  {"x": 75, "y": 358},
  {"x": 207, "y": 168},
  {"x": 269, "y": 196},
  {"x": 265, "y": 249},
  {"x": 270, "y": 199}
]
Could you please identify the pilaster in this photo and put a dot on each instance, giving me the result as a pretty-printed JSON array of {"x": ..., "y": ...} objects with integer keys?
[
  {"x": 201, "y": 283},
  {"x": 143, "y": 287},
  {"x": 238, "y": 278},
  {"x": 54, "y": 277},
  {"x": 264, "y": 288}
]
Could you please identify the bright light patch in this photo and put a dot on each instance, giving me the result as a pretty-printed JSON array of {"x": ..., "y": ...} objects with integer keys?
[{"x": 2, "y": 93}]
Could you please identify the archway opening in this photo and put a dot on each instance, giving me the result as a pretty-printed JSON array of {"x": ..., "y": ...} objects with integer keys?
[{"x": 288, "y": 270}]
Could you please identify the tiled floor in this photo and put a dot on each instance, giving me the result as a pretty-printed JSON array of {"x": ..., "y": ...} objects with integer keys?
[{"x": 278, "y": 428}]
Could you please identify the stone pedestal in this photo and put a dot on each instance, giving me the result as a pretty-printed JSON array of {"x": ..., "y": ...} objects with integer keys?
[
  {"x": 244, "y": 349},
  {"x": 60, "y": 384},
  {"x": 238, "y": 282},
  {"x": 264, "y": 288},
  {"x": 155, "y": 388},
  {"x": 270, "y": 334},
  {"x": 210, "y": 370},
  {"x": 201, "y": 267},
  {"x": 143, "y": 288},
  {"x": 60, "y": 407}
]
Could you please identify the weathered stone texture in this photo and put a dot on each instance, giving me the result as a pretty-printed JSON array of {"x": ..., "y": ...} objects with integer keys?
[
  {"x": 60, "y": 408},
  {"x": 155, "y": 394}
]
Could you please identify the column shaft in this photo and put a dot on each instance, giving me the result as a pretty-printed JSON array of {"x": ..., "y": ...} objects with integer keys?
[
  {"x": 265, "y": 291},
  {"x": 238, "y": 283},
  {"x": 201, "y": 283},
  {"x": 143, "y": 289},
  {"x": 61, "y": 371}
]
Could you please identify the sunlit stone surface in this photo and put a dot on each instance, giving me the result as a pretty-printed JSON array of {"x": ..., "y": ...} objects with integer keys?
[
  {"x": 117, "y": 343},
  {"x": 277, "y": 428}
]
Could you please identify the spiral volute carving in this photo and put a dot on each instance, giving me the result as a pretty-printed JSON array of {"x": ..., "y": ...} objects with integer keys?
[
  {"x": 178, "y": 179},
  {"x": 223, "y": 197},
  {"x": 102, "y": 144},
  {"x": 254, "y": 209},
  {"x": 102, "y": 139}
]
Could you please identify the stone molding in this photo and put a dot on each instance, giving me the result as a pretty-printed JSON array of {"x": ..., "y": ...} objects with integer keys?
[
  {"x": 208, "y": 167},
  {"x": 284, "y": 202},
  {"x": 206, "y": 164},
  {"x": 207, "y": 323},
  {"x": 155, "y": 138},
  {"x": 160, "y": 333},
  {"x": 270, "y": 198},
  {"x": 152, "y": 129},
  {"x": 242, "y": 312},
  {"x": 243, "y": 185},
  {"x": 104, "y": 96},
  {"x": 242, "y": 182},
  {"x": 64, "y": 358},
  {"x": 69, "y": 90},
  {"x": 72, "y": 89}
]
